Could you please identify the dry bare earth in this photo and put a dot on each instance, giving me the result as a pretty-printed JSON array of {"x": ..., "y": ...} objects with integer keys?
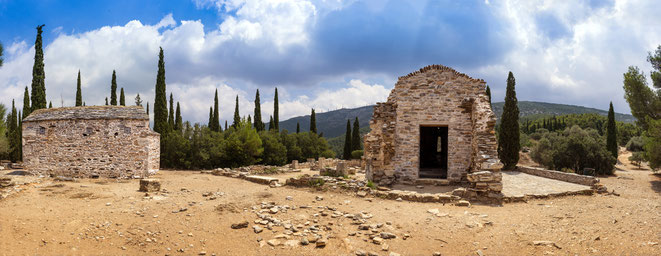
[{"x": 106, "y": 217}]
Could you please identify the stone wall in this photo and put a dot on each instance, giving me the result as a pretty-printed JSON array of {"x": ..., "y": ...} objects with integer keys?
[
  {"x": 79, "y": 147},
  {"x": 556, "y": 175}
]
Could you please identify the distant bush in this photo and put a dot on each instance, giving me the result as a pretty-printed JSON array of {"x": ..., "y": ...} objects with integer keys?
[
  {"x": 356, "y": 154},
  {"x": 574, "y": 149},
  {"x": 637, "y": 158},
  {"x": 635, "y": 144}
]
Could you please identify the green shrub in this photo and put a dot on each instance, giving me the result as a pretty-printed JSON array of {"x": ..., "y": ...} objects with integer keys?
[
  {"x": 371, "y": 185},
  {"x": 637, "y": 158},
  {"x": 356, "y": 154},
  {"x": 574, "y": 149},
  {"x": 635, "y": 144}
]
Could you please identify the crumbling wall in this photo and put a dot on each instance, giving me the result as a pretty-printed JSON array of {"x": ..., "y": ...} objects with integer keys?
[{"x": 379, "y": 144}]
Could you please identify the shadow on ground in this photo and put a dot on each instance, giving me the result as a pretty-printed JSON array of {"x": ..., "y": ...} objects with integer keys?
[{"x": 656, "y": 183}]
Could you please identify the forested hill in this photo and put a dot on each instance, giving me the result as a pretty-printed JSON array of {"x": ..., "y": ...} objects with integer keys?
[
  {"x": 333, "y": 123},
  {"x": 540, "y": 109}
]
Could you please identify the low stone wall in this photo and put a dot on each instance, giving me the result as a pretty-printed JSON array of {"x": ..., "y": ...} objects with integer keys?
[{"x": 562, "y": 176}]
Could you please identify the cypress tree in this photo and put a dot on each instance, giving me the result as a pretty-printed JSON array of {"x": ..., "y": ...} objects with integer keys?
[
  {"x": 12, "y": 128},
  {"x": 38, "y": 75},
  {"x": 171, "y": 114},
  {"x": 259, "y": 125},
  {"x": 237, "y": 117},
  {"x": 79, "y": 93},
  {"x": 313, "y": 122},
  {"x": 355, "y": 139},
  {"x": 216, "y": 114},
  {"x": 346, "y": 154},
  {"x": 210, "y": 123},
  {"x": 271, "y": 127},
  {"x": 138, "y": 100},
  {"x": 489, "y": 94},
  {"x": 276, "y": 111},
  {"x": 611, "y": 132},
  {"x": 122, "y": 99},
  {"x": 106, "y": 101},
  {"x": 225, "y": 124},
  {"x": 26, "y": 102},
  {"x": 178, "y": 123},
  {"x": 19, "y": 136},
  {"x": 113, "y": 89},
  {"x": 508, "y": 137},
  {"x": 14, "y": 138},
  {"x": 147, "y": 108},
  {"x": 160, "y": 102},
  {"x": 249, "y": 120},
  {"x": 50, "y": 104},
  {"x": 298, "y": 127}
]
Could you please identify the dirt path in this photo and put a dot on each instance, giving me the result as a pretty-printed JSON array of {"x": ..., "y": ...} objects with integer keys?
[{"x": 102, "y": 217}]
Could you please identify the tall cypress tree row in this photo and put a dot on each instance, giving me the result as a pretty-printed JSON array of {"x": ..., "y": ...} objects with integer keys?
[
  {"x": 113, "y": 89},
  {"x": 489, "y": 94},
  {"x": 313, "y": 122},
  {"x": 298, "y": 127},
  {"x": 237, "y": 117},
  {"x": 178, "y": 123},
  {"x": 171, "y": 114},
  {"x": 355, "y": 139},
  {"x": 38, "y": 75},
  {"x": 79, "y": 93},
  {"x": 216, "y": 114},
  {"x": 276, "y": 111},
  {"x": 271, "y": 127},
  {"x": 346, "y": 154},
  {"x": 160, "y": 102},
  {"x": 50, "y": 104},
  {"x": 259, "y": 125},
  {"x": 508, "y": 137},
  {"x": 611, "y": 132},
  {"x": 122, "y": 99},
  {"x": 26, "y": 102}
]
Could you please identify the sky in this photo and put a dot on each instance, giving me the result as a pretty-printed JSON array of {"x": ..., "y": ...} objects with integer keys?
[{"x": 324, "y": 54}]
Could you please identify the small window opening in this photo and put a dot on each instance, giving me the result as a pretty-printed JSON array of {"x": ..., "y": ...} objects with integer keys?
[
  {"x": 42, "y": 130},
  {"x": 127, "y": 130}
]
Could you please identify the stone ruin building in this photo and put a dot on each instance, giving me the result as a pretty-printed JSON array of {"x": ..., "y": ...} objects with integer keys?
[
  {"x": 88, "y": 142},
  {"x": 436, "y": 127}
]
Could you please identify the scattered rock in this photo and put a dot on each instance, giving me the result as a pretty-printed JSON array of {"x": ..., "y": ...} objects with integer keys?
[
  {"x": 257, "y": 229},
  {"x": 361, "y": 253},
  {"x": 377, "y": 240},
  {"x": 304, "y": 241},
  {"x": 320, "y": 243},
  {"x": 362, "y": 193},
  {"x": 463, "y": 203},
  {"x": 273, "y": 242},
  {"x": 546, "y": 243},
  {"x": 394, "y": 254},
  {"x": 387, "y": 235},
  {"x": 319, "y": 198},
  {"x": 240, "y": 225},
  {"x": 433, "y": 211},
  {"x": 150, "y": 185}
]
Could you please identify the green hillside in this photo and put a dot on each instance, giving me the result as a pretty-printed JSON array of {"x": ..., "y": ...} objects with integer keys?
[
  {"x": 535, "y": 109},
  {"x": 331, "y": 123}
]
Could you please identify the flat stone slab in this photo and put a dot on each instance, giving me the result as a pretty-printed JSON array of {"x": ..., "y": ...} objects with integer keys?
[
  {"x": 518, "y": 184},
  {"x": 261, "y": 179}
]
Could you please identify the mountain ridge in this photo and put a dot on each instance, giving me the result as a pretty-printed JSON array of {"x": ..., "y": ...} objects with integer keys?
[{"x": 333, "y": 123}]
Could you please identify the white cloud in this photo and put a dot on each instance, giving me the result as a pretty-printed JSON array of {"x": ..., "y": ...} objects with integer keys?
[{"x": 584, "y": 64}]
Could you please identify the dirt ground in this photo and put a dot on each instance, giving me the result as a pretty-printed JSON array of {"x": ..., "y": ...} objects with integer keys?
[{"x": 108, "y": 217}]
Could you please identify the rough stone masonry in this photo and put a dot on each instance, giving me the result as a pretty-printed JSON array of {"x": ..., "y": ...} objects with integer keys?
[
  {"x": 96, "y": 141},
  {"x": 436, "y": 96}
]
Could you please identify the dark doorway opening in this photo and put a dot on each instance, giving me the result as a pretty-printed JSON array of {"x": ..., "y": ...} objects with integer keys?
[{"x": 433, "y": 152}]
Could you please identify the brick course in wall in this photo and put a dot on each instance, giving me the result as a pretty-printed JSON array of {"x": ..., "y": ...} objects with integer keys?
[
  {"x": 83, "y": 142},
  {"x": 435, "y": 96}
]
